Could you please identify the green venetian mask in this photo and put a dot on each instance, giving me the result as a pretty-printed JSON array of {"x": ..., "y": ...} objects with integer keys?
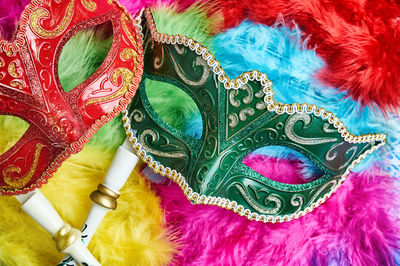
[{"x": 239, "y": 116}]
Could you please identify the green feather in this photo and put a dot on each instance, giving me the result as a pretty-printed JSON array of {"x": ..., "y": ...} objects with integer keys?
[
  {"x": 174, "y": 106},
  {"x": 83, "y": 54},
  {"x": 111, "y": 135},
  {"x": 192, "y": 23}
]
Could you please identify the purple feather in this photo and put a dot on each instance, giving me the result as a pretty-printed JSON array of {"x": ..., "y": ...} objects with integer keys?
[{"x": 10, "y": 12}]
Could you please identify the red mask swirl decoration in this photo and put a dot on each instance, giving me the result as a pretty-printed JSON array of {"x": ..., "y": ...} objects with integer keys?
[{"x": 61, "y": 122}]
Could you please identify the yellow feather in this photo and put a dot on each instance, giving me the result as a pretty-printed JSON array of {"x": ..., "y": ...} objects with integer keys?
[{"x": 133, "y": 234}]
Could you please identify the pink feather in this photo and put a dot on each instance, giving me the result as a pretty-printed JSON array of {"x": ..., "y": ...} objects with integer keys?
[
  {"x": 270, "y": 167},
  {"x": 358, "y": 225},
  {"x": 10, "y": 12},
  {"x": 134, "y": 6}
]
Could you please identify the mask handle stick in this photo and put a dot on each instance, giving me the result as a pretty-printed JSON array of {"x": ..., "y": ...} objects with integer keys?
[
  {"x": 68, "y": 240},
  {"x": 105, "y": 197}
]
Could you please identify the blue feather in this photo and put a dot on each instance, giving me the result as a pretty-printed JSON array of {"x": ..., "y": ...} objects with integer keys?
[{"x": 280, "y": 52}]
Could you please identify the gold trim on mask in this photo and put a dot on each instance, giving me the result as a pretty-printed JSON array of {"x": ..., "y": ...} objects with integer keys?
[{"x": 41, "y": 13}]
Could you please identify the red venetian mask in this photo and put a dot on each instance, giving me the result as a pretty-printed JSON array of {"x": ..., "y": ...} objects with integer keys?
[{"x": 61, "y": 122}]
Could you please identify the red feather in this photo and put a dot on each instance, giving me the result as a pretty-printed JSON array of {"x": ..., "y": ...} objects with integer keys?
[{"x": 359, "y": 40}]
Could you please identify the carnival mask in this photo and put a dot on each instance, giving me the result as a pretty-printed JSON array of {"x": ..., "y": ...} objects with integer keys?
[
  {"x": 239, "y": 116},
  {"x": 61, "y": 122}
]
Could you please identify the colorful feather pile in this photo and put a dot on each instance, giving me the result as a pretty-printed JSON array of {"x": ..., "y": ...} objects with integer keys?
[
  {"x": 340, "y": 55},
  {"x": 358, "y": 39}
]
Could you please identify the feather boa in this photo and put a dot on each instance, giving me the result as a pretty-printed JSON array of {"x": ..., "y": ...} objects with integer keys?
[{"x": 359, "y": 40}]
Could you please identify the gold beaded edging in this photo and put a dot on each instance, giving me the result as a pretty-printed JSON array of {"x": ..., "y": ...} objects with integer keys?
[{"x": 272, "y": 105}]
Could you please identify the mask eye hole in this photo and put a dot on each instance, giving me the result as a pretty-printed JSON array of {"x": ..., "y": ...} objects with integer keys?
[
  {"x": 283, "y": 165},
  {"x": 83, "y": 54},
  {"x": 12, "y": 128},
  {"x": 175, "y": 107}
]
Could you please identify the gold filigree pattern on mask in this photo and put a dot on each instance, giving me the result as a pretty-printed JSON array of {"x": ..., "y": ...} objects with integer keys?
[
  {"x": 233, "y": 120},
  {"x": 10, "y": 53},
  {"x": 89, "y": 5},
  {"x": 22, "y": 181},
  {"x": 17, "y": 84},
  {"x": 289, "y": 131},
  {"x": 260, "y": 208},
  {"x": 125, "y": 20},
  {"x": 127, "y": 81},
  {"x": 155, "y": 138},
  {"x": 129, "y": 54},
  {"x": 12, "y": 70},
  {"x": 246, "y": 111},
  {"x": 41, "y": 13},
  {"x": 198, "y": 62},
  {"x": 137, "y": 115}
]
